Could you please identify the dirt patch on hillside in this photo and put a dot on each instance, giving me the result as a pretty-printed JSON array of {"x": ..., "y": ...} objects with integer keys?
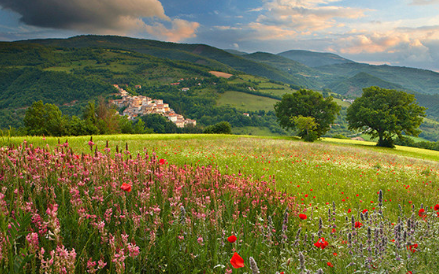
[
  {"x": 221, "y": 74},
  {"x": 357, "y": 139}
]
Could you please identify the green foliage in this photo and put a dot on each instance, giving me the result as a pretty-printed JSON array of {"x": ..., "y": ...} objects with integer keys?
[
  {"x": 307, "y": 127},
  {"x": 339, "y": 136},
  {"x": 384, "y": 113},
  {"x": 219, "y": 128},
  {"x": 159, "y": 123},
  {"x": 44, "y": 119},
  {"x": 353, "y": 86},
  {"x": 307, "y": 103},
  {"x": 22, "y": 87}
]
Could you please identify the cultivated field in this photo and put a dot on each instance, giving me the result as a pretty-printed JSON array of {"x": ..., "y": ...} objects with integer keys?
[{"x": 200, "y": 203}]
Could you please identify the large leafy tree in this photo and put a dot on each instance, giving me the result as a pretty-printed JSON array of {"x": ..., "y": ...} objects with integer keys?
[
  {"x": 384, "y": 113},
  {"x": 306, "y": 103},
  {"x": 44, "y": 119}
]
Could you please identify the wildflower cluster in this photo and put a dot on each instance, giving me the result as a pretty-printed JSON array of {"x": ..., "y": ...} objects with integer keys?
[{"x": 102, "y": 212}]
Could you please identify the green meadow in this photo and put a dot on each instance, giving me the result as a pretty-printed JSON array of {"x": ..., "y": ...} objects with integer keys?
[{"x": 216, "y": 204}]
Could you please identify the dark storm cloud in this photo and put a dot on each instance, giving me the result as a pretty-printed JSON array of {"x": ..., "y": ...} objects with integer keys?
[{"x": 86, "y": 15}]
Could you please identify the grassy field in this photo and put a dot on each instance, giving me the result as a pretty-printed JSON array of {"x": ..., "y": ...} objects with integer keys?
[
  {"x": 246, "y": 102},
  {"x": 256, "y": 131},
  {"x": 168, "y": 203}
]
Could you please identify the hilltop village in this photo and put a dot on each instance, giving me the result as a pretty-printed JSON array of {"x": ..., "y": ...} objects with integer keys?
[{"x": 136, "y": 106}]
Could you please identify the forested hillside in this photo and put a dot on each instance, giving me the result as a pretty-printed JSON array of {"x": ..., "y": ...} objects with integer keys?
[{"x": 71, "y": 72}]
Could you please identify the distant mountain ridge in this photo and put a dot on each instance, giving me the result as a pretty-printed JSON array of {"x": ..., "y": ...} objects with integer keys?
[
  {"x": 316, "y": 70},
  {"x": 215, "y": 58},
  {"x": 314, "y": 59},
  {"x": 86, "y": 67},
  {"x": 354, "y": 86}
]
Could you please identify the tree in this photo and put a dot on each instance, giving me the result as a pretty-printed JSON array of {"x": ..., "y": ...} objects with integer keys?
[
  {"x": 107, "y": 118},
  {"x": 139, "y": 128},
  {"x": 306, "y": 103},
  {"x": 159, "y": 124},
  {"x": 384, "y": 113},
  {"x": 306, "y": 127},
  {"x": 44, "y": 119},
  {"x": 219, "y": 128}
]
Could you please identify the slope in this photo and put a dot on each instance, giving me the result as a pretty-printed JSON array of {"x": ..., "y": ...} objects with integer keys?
[
  {"x": 353, "y": 86},
  {"x": 195, "y": 53},
  {"x": 314, "y": 59},
  {"x": 299, "y": 70},
  {"x": 419, "y": 80}
]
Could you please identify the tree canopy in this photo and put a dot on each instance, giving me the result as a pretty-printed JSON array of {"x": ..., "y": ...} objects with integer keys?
[
  {"x": 384, "y": 113},
  {"x": 306, "y": 103},
  {"x": 44, "y": 119},
  {"x": 219, "y": 128}
]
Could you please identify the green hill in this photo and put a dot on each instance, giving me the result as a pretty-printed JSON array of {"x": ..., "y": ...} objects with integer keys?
[
  {"x": 308, "y": 75},
  {"x": 419, "y": 80},
  {"x": 69, "y": 72},
  {"x": 354, "y": 86},
  {"x": 314, "y": 59},
  {"x": 195, "y": 53}
]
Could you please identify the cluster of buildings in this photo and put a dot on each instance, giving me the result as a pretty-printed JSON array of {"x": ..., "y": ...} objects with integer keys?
[{"x": 136, "y": 106}]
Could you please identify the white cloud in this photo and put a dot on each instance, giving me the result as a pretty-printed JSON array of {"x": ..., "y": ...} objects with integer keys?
[
  {"x": 289, "y": 18},
  {"x": 180, "y": 30}
]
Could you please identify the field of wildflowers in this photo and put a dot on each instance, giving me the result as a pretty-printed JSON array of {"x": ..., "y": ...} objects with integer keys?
[{"x": 213, "y": 204}]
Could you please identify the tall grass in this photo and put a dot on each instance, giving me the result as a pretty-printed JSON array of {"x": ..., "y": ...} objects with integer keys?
[{"x": 168, "y": 203}]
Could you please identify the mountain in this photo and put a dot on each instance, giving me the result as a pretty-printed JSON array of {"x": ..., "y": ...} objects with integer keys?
[
  {"x": 419, "y": 80},
  {"x": 308, "y": 75},
  {"x": 70, "y": 72},
  {"x": 317, "y": 70},
  {"x": 354, "y": 86},
  {"x": 314, "y": 59},
  {"x": 236, "y": 52},
  {"x": 195, "y": 53}
]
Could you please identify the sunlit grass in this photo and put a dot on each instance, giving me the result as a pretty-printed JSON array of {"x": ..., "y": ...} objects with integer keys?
[{"x": 190, "y": 192}]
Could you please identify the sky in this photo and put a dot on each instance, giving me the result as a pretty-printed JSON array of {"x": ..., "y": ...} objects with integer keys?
[{"x": 393, "y": 32}]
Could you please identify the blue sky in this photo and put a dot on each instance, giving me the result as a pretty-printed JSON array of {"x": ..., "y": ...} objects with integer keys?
[{"x": 394, "y": 32}]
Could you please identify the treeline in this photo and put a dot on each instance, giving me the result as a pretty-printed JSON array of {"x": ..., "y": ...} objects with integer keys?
[
  {"x": 408, "y": 142},
  {"x": 48, "y": 120}
]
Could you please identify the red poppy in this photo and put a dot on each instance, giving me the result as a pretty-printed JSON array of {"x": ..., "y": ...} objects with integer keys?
[
  {"x": 162, "y": 161},
  {"x": 364, "y": 211},
  {"x": 349, "y": 210},
  {"x": 232, "y": 239},
  {"x": 126, "y": 187},
  {"x": 330, "y": 264},
  {"x": 358, "y": 224},
  {"x": 321, "y": 243},
  {"x": 412, "y": 247},
  {"x": 303, "y": 216},
  {"x": 237, "y": 261},
  {"x": 335, "y": 254},
  {"x": 421, "y": 212},
  {"x": 436, "y": 207}
]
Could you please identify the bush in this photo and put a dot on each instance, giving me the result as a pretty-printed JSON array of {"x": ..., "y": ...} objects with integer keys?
[{"x": 219, "y": 128}]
